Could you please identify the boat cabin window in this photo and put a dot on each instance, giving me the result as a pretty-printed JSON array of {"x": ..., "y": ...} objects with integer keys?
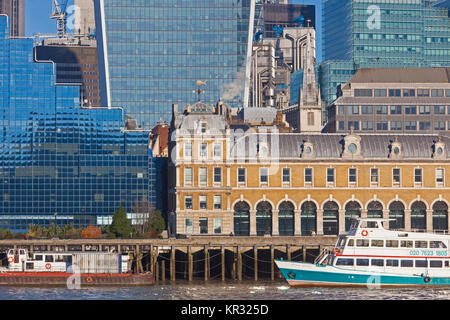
[
  {"x": 341, "y": 241},
  {"x": 362, "y": 242},
  {"x": 350, "y": 243},
  {"x": 22, "y": 251},
  {"x": 447, "y": 264},
  {"x": 10, "y": 252},
  {"x": 369, "y": 224},
  {"x": 38, "y": 257},
  {"x": 421, "y": 264},
  {"x": 391, "y": 263},
  {"x": 392, "y": 243},
  {"x": 48, "y": 258},
  {"x": 437, "y": 245},
  {"x": 377, "y": 262},
  {"x": 63, "y": 258},
  {"x": 344, "y": 262},
  {"x": 406, "y": 263},
  {"x": 436, "y": 264},
  {"x": 30, "y": 265},
  {"x": 362, "y": 262},
  {"x": 406, "y": 244},
  {"x": 377, "y": 243},
  {"x": 421, "y": 244}
]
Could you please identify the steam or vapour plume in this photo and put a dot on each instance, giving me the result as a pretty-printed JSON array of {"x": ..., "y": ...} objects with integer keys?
[{"x": 235, "y": 88}]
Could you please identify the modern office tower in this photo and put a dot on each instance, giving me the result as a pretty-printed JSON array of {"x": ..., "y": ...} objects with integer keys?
[
  {"x": 402, "y": 100},
  {"x": 15, "y": 9},
  {"x": 61, "y": 163},
  {"x": 153, "y": 52},
  {"x": 384, "y": 34},
  {"x": 87, "y": 16},
  {"x": 76, "y": 65},
  {"x": 284, "y": 15}
]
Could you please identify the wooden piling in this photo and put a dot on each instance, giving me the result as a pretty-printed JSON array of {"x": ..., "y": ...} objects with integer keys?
[
  {"x": 190, "y": 263},
  {"x": 272, "y": 263},
  {"x": 255, "y": 262},
  {"x": 172, "y": 263},
  {"x": 222, "y": 253},
  {"x": 163, "y": 270},
  {"x": 157, "y": 271},
  {"x": 206, "y": 264},
  {"x": 239, "y": 263},
  {"x": 288, "y": 252},
  {"x": 304, "y": 253}
]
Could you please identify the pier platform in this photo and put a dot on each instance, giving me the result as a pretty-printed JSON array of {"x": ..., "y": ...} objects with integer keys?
[{"x": 197, "y": 257}]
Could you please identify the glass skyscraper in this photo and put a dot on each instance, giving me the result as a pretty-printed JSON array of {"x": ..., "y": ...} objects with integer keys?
[
  {"x": 60, "y": 162},
  {"x": 152, "y": 52},
  {"x": 381, "y": 33}
]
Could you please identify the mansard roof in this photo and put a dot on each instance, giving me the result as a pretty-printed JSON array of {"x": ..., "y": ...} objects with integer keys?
[{"x": 330, "y": 146}]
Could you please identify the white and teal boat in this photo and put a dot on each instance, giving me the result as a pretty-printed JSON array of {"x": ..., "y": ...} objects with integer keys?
[{"x": 369, "y": 255}]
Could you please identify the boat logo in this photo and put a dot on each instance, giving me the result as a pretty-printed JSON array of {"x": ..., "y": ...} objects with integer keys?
[
  {"x": 48, "y": 266},
  {"x": 291, "y": 275}
]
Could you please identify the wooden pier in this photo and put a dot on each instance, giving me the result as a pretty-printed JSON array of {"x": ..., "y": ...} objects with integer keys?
[{"x": 207, "y": 258}]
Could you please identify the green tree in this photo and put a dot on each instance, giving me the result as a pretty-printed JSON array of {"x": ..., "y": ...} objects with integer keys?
[
  {"x": 157, "y": 222},
  {"x": 120, "y": 225}
]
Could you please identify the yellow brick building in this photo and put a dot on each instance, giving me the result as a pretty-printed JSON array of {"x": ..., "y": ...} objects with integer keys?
[{"x": 255, "y": 181}]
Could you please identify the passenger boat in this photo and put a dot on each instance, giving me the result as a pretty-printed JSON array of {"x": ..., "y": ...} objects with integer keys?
[
  {"x": 70, "y": 268},
  {"x": 369, "y": 255}
]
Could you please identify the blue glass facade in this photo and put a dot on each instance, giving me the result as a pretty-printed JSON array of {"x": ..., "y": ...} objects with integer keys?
[
  {"x": 381, "y": 33},
  {"x": 152, "y": 53},
  {"x": 59, "y": 162}
]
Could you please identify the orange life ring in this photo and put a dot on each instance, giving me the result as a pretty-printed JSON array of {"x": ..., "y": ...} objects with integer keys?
[
  {"x": 48, "y": 266},
  {"x": 336, "y": 251},
  {"x": 364, "y": 233},
  {"x": 10, "y": 259},
  {"x": 89, "y": 279}
]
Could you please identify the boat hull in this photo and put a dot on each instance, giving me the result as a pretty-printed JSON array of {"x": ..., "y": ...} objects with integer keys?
[
  {"x": 299, "y": 274},
  {"x": 64, "y": 279}
]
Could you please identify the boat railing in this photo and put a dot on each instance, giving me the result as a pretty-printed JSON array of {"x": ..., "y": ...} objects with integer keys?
[{"x": 322, "y": 256}]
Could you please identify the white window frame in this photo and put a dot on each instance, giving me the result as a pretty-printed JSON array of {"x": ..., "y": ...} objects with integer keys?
[
  {"x": 394, "y": 183},
  {"x": 374, "y": 183},
  {"x": 191, "y": 181},
  {"x": 218, "y": 222},
  {"x": 200, "y": 150},
  {"x": 353, "y": 183},
  {"x": 331, "y": 183},
  {"x": 263, "y": 183},
  {"x": 200, "y": 182},
  {"x": 217, "y": 196},
  {"x": 188, "y": 229},
  {"x": 418, "y": 184},
  {"x": 241, "y": 183},
  {"x": 185, "y": 149},
  {"x": 217, "y": 183},
  {"x": 440, "y": 184},
  {"x": 286, "y": 183},
  {"x": 203, "y": 198},
  {"x": 192, "y": 202},
  {"x": 219, "y": 146},
  {"x": 308, "y": 183}
]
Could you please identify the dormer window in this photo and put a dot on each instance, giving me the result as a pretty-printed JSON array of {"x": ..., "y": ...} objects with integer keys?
[
  {"x": 396, "y": 151},
  {"x": 439, "y": 152},
  {"x": 307, "y": 149},
  {"x": 203, "y": 127}
]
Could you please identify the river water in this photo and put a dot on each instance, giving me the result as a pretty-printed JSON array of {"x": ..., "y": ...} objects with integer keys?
[{"x": 217, "y": 290}]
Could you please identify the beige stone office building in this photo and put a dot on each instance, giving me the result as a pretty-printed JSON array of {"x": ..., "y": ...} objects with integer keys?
[{"x": 228, "y": 176}]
